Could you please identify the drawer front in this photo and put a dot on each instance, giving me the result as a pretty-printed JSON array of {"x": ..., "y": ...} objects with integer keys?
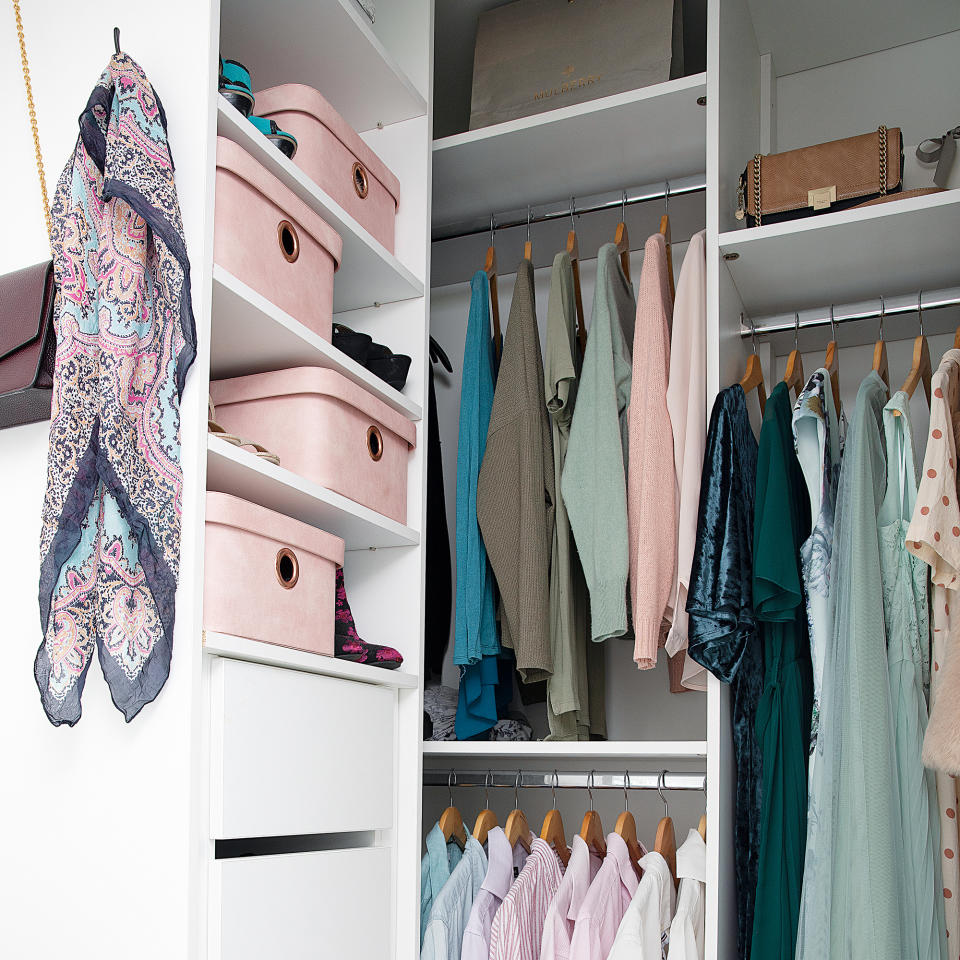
[
  {"x": 295, "y": 753},
  {"x": 302, "y": 905}
]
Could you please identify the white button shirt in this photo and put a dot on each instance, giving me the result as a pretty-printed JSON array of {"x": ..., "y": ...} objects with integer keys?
[
  {"x": 644, "y": 931},
  {"x": 686, "y": 931}
]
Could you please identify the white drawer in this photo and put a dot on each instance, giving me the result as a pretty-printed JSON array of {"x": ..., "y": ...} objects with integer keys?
[
  {"x": 302, "y": 905},
  {"x": 295, "y": 753}
]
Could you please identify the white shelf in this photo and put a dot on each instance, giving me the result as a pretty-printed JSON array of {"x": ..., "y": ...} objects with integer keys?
[
  {"x": 251, "y": 335},
  {"x": 254, "y": 651},
  {"x": 593, "y": 749},
  {"x": 328, "y": 44},
  {"x": 810, "y": 34},
  {"x": 582, "y": 149},
  {"x": 231, "y": 469},
  {"x": 897, "y": 247},
  {"x": 368, "y": 272}
]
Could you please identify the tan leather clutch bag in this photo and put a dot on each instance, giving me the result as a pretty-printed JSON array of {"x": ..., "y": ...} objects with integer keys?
[{"x": 826, "y": 177}]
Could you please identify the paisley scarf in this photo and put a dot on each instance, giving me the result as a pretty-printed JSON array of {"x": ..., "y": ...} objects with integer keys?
[{"x": 110, "y": 543}]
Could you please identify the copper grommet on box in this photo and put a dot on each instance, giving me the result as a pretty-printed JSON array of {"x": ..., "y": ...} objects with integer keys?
[
  {"x": 374, "y": 443},
  {"x": 288, "y": 568},
  {"x": 289, "y": 240},
  {"x": 361, "y": 182}
]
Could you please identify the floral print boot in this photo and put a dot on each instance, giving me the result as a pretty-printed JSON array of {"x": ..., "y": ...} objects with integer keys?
[{"x": 347, "y": 643}]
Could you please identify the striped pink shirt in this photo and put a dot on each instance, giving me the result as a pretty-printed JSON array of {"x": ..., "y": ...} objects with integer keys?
[
  {"x": 605, "y": 903},
  {"x": 518, "y": 926}
]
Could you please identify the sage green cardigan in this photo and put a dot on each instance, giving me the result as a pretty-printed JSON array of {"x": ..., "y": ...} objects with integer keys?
[{"x": 594, "y": 485}]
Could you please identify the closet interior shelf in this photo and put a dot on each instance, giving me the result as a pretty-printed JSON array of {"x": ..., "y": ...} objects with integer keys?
[
  {"x": 566, "y": 779},
  {"x": 820, "y": 316},
  {"x": 563, "y": 750},
  {"x": 569, "y": 206}
]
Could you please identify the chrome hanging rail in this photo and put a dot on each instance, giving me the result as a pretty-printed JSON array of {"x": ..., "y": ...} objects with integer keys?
[
  {"x": 821, "y": 317},
  {"x": 623, "y": 198},
  {"x": 567, "y": 779}
]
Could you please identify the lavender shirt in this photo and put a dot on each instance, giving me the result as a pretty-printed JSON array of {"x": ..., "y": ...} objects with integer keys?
[{"x": 503, "y": 866}]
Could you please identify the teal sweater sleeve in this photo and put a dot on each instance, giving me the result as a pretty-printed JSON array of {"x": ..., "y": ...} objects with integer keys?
[{"x": 593, "y": 484}]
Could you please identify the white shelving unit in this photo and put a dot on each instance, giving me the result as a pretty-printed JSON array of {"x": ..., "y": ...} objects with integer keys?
[
  {"x": 252, "y": 335},
  {"x": 232, "y": 469},
  {"x": 165, "y": 765},
  {"x": 582, "y": 149},
  {"x": 368, "y": 272},
  {"x": 243, "y": 648},
  {"x": 905, "y": 245}
]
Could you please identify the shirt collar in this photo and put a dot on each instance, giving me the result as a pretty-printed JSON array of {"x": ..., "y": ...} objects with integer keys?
[
  {"x": 499, "y": 864},
  {"x": 617, "y": 850},
  {"x": 581, "y": 869},
  {"x": 692, "y": 858},
  {"x": 438, "y": 856}
]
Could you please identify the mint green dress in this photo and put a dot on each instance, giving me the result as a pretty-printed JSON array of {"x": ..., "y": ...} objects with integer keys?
[
  {"x": 855, "y": 845},
  {"x": 907, "y": 623}
]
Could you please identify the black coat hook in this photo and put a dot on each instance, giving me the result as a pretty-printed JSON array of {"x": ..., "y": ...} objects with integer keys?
[{"x": 116, "y": 40}]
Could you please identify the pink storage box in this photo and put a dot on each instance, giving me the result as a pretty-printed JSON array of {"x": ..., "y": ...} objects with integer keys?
[
  {"x": 325, "y": 428},
  {"x": 266, "y": 236},
  {"x": 269, "y": 577},
  {"x": 333, "y": 155}
]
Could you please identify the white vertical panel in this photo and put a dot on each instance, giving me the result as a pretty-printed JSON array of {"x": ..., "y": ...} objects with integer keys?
[{"x": 105, "y": 805}]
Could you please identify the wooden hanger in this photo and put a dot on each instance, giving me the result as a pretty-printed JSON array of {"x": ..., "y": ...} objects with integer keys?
[
  {"x": 831, "y": 363},
  {"x": 490, "y": 269},
  {"x": 451, "y": 822},
  {"x": 922, "y": 369},
  {"x": 880, "y": 363},
  {"x": 956, "y": 339},
  {"x": 591, "y": 830},
  {"x": 486, "y": 818},
  {"x": 552, "y": 829},
  {"x": 753, "y": 378},
  {"x": 573, "y": 251},
  {"x": 665, "y": 232},
  {"x": 528, "y": 246},
  {"x": 793, "y": 378},
  {"x": 517, "y": 828},
  {"x": 622, "y": 238},
  {"x": 626, "y": 827},
  {"x": 702, "y": 827},
  {"x": 666, "y": 840}
]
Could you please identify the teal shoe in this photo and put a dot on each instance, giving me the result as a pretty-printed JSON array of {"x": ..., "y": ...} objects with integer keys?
[
  {"x": 235, "y": 86},
  {"x": 285, "y": 142}
]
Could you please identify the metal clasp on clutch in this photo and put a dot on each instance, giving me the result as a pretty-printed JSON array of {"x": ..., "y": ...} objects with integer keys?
[{"x": 822, "y": 197}]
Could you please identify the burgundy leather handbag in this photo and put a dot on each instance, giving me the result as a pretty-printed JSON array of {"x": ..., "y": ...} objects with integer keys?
[{"x": 27, "y": 344}]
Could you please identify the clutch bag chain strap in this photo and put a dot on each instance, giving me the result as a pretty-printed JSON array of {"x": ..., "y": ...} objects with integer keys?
[
  {"x": 882, "y": 135},
  {"x": 882, "y": 138},
  {"x": 758, "y": 203},
  {"x": 31, "y": 109}
]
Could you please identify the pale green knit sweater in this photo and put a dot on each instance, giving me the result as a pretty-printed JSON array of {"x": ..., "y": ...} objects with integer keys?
[{"x": 594, "y": 485}]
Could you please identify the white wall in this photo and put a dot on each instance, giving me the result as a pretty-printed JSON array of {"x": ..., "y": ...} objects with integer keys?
[
  {"x": 913, "y": 87},
  {"x": 96, "y": 818}
]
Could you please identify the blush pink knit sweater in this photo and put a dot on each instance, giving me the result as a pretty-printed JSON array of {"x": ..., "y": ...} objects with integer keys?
[{"x": 651, "y": 478}]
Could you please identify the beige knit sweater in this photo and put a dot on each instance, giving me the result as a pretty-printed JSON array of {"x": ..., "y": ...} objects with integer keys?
[{"x": 651, "y": 478}]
